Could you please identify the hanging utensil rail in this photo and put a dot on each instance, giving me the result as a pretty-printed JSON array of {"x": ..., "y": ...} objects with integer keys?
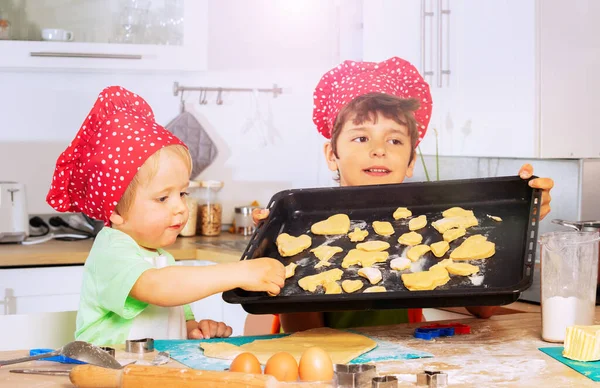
[{"x": 180, "y": 88}]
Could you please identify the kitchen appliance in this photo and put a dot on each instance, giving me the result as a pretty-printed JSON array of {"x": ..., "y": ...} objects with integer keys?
[{"x": 14, "y": 220}]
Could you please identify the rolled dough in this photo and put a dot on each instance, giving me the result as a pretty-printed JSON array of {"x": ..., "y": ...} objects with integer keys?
[{"x": 342, "y": 346}]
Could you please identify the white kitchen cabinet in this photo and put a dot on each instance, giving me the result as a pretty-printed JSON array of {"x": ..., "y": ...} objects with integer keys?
[
  {"x": 98, "y": 43},
  {"x": 40, "y": 290},
  {"x": 522, "y": 79},
  {"x": 215, "y": 308}
]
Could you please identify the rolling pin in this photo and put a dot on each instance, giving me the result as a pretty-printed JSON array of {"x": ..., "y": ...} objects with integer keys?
[{"x": 135, "y": 376}]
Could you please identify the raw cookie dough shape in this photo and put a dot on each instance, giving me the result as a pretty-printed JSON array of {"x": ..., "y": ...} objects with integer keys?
[
  {"x": 371, "y": 274},
  {"x": 383, "y": 228},
  {"x": 454, "y": 222},
  {"x": 426, "y": 280},
  {"x": 324, "y": 253},
  {"x": 401, "y": 212},
  {"x": 439, "y": 248},
  {"x": 342, "y": 346},
  {"x": 474, "y": 248},
  {"x": 400, "y": 263},
  {"x": 373, "y": 246},
  {"x": 582, "y": 343},
  {"x": 374, "y": 289},
  {"x": 351, "y": 286},
  {"x": 310, "y": 283},
  {"x": 417, "y": 251},
  {"x": 290, "y": 270},
  {"x": 358, "y": 235},
  {"x": 365, "y": 259},
  {"x": 417, "y": 223},
  {"x": 410, "y": 238},
  {"x": 452, "y": 234},
  {"x": 462, "y": 269},
  {"x": 457, "y": 212},
  {"x": 336, "y": 224},
  {"x": 332, "y": 288},
  {"x": 495, "y": 218},
  {"x": 289, "y": 245}
]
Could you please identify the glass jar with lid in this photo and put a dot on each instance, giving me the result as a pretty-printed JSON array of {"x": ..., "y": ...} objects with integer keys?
[
  {"x": 192, "y": 204},
  {"x": 210, "y": 210}
]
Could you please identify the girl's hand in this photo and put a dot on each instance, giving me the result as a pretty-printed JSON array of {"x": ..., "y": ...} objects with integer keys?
[
  {"x": 263, "y": 274},
  {"x": 545, "y": 184},
  {"x": 206, "y": 329},
  {"x": 259, "y": 215}
]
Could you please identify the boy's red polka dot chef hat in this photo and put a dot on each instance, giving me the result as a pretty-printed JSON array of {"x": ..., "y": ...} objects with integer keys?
[
  {"x": 114, "y": 141},
  {"x": 351, "y": 79}
]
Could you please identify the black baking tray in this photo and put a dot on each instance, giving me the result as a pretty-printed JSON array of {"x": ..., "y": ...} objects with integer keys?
[{"x": 505, "y": 275}]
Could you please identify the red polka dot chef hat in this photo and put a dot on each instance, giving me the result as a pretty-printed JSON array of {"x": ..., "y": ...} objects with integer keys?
[
  {"x": 114, "y": 141},
  {"x": 351, "y": 79}
]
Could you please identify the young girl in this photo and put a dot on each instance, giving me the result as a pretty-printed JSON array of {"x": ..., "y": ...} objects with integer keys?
[
  {"x": 128, "y": 171},
  {"x": 375, "y": 115}
]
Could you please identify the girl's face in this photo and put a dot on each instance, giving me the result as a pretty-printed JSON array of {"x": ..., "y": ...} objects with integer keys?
[
  {"x": 372, "y": 153},
  {"x": 158, "y": 212}
]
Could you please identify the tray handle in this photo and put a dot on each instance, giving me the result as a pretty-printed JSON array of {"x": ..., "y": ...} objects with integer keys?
[
  {"x": 532, "y": 230},
  {"x": 254, "y": 238}
]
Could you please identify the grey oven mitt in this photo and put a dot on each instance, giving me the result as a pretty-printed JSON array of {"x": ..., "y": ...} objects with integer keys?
[{"x": 190, "y": 131}]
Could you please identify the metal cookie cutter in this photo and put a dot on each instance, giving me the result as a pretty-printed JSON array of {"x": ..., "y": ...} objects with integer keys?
[
  {"x": 108, "y": 350},
  {"x": 354, "y": 376},
  {"x": 144, "y": 345},
  {"x": 384, "y": 382},
  {"x": 432, "y": 379}
]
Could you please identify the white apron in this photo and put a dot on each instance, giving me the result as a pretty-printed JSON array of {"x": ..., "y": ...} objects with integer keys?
[{"x": 159, "y": 322}]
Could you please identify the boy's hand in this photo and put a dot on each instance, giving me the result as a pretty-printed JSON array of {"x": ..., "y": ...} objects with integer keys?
[
  {"x": 259, "y": 215},
  {"x": 206, "y": 329},
  {"x": 263, "y": 274},
  {"x": 545, "y": 184}
]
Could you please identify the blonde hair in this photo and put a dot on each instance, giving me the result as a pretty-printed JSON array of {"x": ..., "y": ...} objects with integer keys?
[{"x": 148, "y": 171}]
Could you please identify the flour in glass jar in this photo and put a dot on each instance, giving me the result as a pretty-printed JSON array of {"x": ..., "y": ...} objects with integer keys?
[{"x": 559, "y": 312}]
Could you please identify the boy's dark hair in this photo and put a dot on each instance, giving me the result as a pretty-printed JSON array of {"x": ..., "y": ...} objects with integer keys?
[{"x": 366, "y": 107}]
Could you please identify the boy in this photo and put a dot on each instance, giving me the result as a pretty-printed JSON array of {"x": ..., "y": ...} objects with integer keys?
[
  {"x": 375, "y": 115},
  {"x": 128, "y": 171}
]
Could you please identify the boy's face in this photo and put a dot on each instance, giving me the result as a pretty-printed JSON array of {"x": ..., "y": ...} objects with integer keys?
[
  {"x": 372, "y": 153},
  {"x": 158, "y": 212}
]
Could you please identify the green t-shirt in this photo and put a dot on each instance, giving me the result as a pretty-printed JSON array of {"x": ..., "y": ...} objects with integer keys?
[
  {"x": 348, "y": 319},
  {"x": 106, "y": 311}
]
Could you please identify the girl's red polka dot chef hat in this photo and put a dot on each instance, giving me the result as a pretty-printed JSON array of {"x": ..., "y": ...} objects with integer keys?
[
  {"x": 351, "y": 79},
  {"x": 114, "y": 141}
]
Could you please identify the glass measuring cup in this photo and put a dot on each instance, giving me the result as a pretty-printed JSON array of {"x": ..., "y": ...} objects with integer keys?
[{"x": 569, "y": 263}]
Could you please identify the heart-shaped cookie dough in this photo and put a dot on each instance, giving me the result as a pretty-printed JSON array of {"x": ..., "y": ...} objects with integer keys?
[
  {"x": 336, "y": 224},
  {"x": 289, "y": 245}
]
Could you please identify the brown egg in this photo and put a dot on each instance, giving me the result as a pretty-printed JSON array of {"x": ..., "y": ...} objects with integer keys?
[
  {"x": 282, "y": 366},
  {"x": 315, "y": 365},
  {"x": 245, "y": 363}
]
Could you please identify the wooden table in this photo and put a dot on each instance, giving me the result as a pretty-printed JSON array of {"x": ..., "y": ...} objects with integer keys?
[
  {"x": 501, "y": 351},
  {"x": 216, "y": 249}
]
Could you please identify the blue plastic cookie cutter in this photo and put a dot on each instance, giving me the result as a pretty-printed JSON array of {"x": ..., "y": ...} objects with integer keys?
[
  {"x": 431, "y": 333},
  {"x": 59, "y": 358}
]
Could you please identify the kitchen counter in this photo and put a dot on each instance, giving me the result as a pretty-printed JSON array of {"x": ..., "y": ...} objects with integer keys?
[
  {"x": 220, "y": 249},
  {"x": 502, "y": 350}
]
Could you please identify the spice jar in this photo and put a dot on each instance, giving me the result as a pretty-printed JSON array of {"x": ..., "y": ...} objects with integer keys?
[
  {"x": 192, "y": 204},
  {"x": 210, "y": 210}
]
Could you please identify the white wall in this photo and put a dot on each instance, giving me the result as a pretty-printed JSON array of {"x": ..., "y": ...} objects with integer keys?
[{"x": 251, "y": 44}]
